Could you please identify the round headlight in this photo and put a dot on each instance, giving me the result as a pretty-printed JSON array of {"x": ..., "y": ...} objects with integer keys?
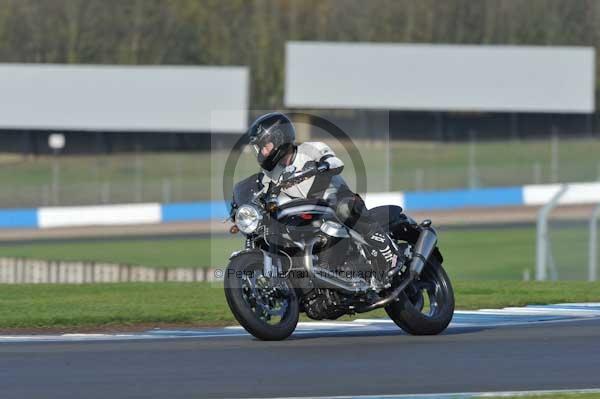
[{"x": 247, "y": 218}]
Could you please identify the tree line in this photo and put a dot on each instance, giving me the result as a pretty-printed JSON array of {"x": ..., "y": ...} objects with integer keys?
[{"x": 254, "y": 32}]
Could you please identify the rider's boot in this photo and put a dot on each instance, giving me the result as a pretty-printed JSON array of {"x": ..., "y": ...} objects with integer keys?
[{"x": 384, "y": 253}]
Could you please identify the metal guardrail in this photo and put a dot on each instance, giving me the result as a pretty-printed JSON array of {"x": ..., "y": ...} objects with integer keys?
[
  {"x": 593, "y": 246},
  {"x": 544, "y": 258},
  {"x": 543, "y": 252}
]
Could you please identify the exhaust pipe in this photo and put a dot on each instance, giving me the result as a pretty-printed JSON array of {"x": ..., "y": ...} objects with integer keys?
[
  {"x": 423, "y": 248},
  {"x": 392, "y": 297}
]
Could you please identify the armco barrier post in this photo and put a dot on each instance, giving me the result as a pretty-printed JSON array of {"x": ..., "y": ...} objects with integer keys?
[
  {"x": 593, "y": 261},
  {"x": 542, "y": 249}
]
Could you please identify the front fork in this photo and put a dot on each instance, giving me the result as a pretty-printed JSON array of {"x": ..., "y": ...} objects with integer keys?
[{"x": 270, "y": 268}]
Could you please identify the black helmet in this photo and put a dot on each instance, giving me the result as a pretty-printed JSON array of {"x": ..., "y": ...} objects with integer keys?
[{"x": 275, "y": 128}]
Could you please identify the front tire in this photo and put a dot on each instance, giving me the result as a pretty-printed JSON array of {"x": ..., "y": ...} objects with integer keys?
[
  {"x": 245, "y": 288},
  {"x": 426, "y": 306}
]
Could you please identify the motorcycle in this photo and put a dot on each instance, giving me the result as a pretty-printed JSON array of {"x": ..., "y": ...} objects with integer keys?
[{"x": 299, "y": 257}]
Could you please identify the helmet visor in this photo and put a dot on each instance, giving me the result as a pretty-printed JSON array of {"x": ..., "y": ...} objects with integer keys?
[{"x": 264, "y": 147}]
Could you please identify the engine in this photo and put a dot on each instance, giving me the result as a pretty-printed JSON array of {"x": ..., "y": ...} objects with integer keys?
[
  {"x": 341, "y": 257},
  {"x": 345, "y": 259},
  {"x": 323, "y": 304}
]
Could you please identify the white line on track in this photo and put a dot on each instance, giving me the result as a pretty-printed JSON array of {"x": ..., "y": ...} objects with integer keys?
[
  {"x": 456, "y": 395},
  {"x": 485, "y": 318}
]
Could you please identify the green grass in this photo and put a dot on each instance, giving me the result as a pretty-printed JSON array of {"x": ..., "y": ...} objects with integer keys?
[
  {"x": 491, "y": 255},
  {"x": 36, "y": 306},
  {"x": 495, "y": 254},
  {"x": 475, "y": 254},
  {"x": 66, "y": 306},
  {"x": 495, "y": 294},
  {"x": 197, "y": 176}
]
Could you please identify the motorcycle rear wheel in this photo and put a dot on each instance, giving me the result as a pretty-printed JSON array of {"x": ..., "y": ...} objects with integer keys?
[
  {"x": 426, "y": 306},
  {"x": 246, "y": 291}
]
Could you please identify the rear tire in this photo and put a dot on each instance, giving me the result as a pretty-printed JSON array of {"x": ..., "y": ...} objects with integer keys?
[
  {"x": 407, "y": 312},
  {"x": 243, "y": 311}
]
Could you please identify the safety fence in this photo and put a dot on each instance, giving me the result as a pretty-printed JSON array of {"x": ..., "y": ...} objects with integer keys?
[
  {"x": 390, "y": 165},
  {"x": 567, "y": 249},
  {"x": 35, "y": 271}
]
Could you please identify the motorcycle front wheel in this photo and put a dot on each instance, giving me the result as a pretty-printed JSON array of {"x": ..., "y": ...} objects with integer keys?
[
  {"x": 426, "y": 306},
  {"x": 266, "y": 307}
]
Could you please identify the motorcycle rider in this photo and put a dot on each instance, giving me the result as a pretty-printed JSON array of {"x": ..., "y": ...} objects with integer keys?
[{"x": 273, "y": 137}]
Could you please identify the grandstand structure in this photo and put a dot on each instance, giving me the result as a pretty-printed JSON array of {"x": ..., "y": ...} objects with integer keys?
[
  {"x": 112, "y": 108},
  {"x": 448, "y": 91}
]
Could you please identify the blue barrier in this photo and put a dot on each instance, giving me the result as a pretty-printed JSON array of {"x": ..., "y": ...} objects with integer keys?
[
  {"x": 452, "y": 199},
  {"x": 412, "y": 201},
  {"x": 193, "y": 211},
  {"x": 487, "y": 197},
  {"x": 15, "y": 218}
]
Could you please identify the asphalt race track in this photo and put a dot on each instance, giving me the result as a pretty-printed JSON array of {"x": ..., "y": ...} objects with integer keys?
[{"x": 533, "y": 348}]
